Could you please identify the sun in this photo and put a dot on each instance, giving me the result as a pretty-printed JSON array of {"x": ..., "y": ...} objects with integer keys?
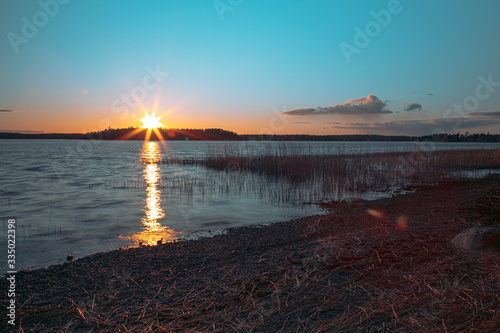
[{"x": 151, "y": 121}]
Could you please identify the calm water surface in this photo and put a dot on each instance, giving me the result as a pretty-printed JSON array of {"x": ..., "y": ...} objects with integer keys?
[{"x": 81, "y": 197}]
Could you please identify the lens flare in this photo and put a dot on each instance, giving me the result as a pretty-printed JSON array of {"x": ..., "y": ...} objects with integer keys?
[
  {"x": 402, "y": 222},
  {"x": 375, "y": 213}
]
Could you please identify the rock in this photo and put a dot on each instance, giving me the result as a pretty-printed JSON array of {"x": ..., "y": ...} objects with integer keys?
[{"x": 478, "y": 238}]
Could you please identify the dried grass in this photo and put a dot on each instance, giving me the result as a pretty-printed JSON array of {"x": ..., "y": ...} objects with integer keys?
[
  {"x": 300, "y": 176},
  {"x": 342, "y": 272}
]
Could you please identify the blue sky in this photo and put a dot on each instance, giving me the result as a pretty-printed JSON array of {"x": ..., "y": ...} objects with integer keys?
[{"x": 316, "y": 67}]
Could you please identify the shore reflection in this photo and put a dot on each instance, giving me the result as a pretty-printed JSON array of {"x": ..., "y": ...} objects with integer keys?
[{"x": 153, "y": 211}]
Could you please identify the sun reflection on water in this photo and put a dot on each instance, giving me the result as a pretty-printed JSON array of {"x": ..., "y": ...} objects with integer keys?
[{"x": 153, "y": 231}]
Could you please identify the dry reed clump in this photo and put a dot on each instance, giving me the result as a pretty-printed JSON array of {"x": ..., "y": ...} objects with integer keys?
[
  {"x": 333, "y": 177},
  {"x": 303, "y": 166}
]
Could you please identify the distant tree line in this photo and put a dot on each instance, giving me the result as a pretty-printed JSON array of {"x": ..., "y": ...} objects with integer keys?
[
  {"x": 217, "y": 134},
  {"x": 53, "y": 136},
  {"x": 131, "y": 133},
  {"x": 466, "y": 137}
]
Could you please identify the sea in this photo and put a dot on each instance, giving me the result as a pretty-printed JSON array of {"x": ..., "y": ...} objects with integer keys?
[{"x": 79, "y": 197}]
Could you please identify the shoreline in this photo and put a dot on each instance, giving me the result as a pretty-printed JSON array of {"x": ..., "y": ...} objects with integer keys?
[{"x": 383, "y": 264}]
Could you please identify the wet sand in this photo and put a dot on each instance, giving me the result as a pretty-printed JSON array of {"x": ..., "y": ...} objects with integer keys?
[{"x": 367, "y": 265}]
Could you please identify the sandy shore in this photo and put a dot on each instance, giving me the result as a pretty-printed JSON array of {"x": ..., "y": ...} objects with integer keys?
[{"x": 369, "y": 265}]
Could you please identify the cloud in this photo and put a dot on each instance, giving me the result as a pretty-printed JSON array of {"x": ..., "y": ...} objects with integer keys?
[
  {"x": 6, "y": 111},
  {"x": 413, "y": 107},
  {"x": 370, "y": 104},
  {"x": 300, "y": 122},
  {"x": 300, "y": 112},
  {"x": 485, "y": 114},
  {"x": 420, "y": 127}
]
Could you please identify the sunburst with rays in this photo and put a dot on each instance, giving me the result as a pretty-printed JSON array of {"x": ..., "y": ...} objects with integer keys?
[{"x": 151, "y": 122}]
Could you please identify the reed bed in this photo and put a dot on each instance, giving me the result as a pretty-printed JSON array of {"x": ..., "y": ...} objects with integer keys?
[
  {"x": 294, "y": 176},
  {"x": 291, "y": 175}
]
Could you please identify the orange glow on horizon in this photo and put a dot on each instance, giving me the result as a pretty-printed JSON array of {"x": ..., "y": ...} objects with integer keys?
[{"x": 179, "y": 117}]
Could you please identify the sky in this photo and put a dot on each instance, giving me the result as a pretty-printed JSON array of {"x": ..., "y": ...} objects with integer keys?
[{"x": 408, "y": 67}]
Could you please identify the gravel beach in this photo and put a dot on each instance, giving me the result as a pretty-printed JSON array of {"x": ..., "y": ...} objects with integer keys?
[{"x": 382, "y": 265}]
